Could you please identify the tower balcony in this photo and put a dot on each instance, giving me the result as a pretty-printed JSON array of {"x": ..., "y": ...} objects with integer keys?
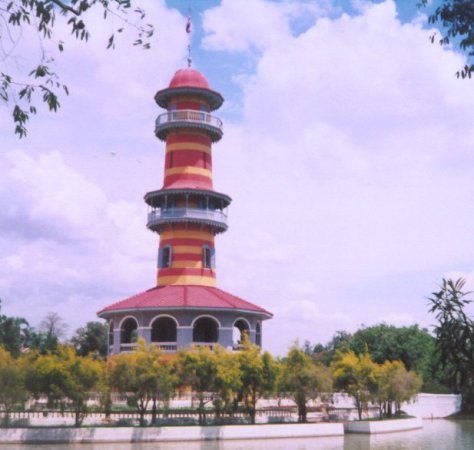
[
  {"x": 188, "y": 118},
  {"x": 165, "y": 216}
]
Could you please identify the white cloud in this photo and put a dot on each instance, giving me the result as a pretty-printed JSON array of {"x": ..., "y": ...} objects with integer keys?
[{"x": 350, "y": 168}]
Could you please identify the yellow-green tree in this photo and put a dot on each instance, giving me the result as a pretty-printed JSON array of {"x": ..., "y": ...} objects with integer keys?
[
  {"x": 144, "y": 376},
  {"x": 64, "y": 376},
  {"x": 395, "y": 385},
  {"x": 228, "y": 382},
  {"x": 259, "y": 373},
  {"x": 12, "y": 383},
  {"x": 303, "y": 379},
  {"x": 357, "y": 376},
  {"x": 197, "y": 369}
]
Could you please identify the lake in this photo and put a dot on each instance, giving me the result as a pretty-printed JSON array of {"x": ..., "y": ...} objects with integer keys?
[{"x": 436, "y": 435}]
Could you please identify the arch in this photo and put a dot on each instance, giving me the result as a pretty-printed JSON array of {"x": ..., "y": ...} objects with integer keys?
[
  {"x": 128, "y": 330},
  {"x": 258, "y": 334},
  {"x": 206, "y": 329},
  {"x": 164, "y": 329},
  {"x": 111, "y": 333},
  {"x": 239, "y": 329},
  {"x": 208, "y": 316}
]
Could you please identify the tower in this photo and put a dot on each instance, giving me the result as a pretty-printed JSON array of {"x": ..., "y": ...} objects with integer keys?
[{"x": 185, "y": 308}]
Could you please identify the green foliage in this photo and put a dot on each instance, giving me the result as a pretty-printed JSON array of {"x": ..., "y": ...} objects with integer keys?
[
  {"x": 12, "y": 383},
  {"x": 258, "y": 375},
  {"x": 144, "y": 376},
  {"x": 455, "y": 337},
  {"x": 91, "y": 339},
  {"x": 65, "y": 376},
  {"x": 197, "y": 368},
  {"x": 46, "y": 19},
  {"x": 413, "y": 346},
  {"x": 304, "y": 379},
  {"x": 357, "y": 376},
  {"x": 395, "y": 385},
  {"x": 456, "y": 18},
  {"x": 14, "y": 332}
]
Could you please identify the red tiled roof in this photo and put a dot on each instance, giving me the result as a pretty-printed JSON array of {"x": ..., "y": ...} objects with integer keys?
[{"x": 184, "y": 297}]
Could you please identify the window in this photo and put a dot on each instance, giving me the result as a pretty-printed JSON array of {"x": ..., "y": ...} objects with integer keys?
[
  {"x": 208, "y": 257},
  {"x": 170, "y": 160},
  {"x": 164, "y": 257}
]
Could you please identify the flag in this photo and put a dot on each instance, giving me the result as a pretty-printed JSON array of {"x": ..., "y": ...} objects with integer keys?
[{"x": 188, "y": 25}]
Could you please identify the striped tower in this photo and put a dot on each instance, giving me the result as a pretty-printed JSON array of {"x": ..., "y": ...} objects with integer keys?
[
  {"x": 185, "y": 307},
  {"x": 187, "y": 212}
]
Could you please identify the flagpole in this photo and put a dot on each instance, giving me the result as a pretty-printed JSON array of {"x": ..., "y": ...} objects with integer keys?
[{"x": 188, "y": 31}]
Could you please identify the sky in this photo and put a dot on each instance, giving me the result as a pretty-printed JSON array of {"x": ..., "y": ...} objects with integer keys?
[{"x": 347, "y": 151}]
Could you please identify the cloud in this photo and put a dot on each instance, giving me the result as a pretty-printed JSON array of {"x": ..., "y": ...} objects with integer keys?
[
  {"x": 354, "y": 149},
  {"x": 348, "y": 158}
]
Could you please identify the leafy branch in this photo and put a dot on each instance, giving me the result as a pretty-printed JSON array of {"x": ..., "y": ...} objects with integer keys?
[
  {"x": 16, "y": 16},
  {"x": 457, "y": 20}
]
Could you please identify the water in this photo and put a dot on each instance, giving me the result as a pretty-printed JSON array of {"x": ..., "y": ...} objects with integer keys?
[{"x": 436, "y": 435}]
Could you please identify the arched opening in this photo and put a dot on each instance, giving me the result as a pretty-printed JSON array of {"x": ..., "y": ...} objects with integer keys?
[
  {"x": 111, "y": 333},
  {"x": 206, "y": 330},
  {"x": 258, "y": 334},
  {"x": 240, "y": 329},
  {"x": 163, "y": 329},
  {"x": 129, "y": 331}
]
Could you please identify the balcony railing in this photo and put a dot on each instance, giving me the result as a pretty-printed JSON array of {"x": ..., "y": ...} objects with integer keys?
[
  {"x": 167, "y": 347},
  {"x": 188, "y": 117},
  {"x": 166, "y": 215},
  {"x": 125, "y": 348}
]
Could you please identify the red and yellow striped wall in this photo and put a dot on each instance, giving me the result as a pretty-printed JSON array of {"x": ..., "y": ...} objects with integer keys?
[
  {"x": 188, "y": 164},
  {"x": 186, "y": 242}
]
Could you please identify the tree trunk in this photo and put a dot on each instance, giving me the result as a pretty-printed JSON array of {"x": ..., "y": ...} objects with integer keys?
[{"x": 153, "y": 412}]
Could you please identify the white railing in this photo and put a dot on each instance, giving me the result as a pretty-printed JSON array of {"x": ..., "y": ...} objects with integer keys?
[
  {"x": 158, "y": 215},
  {"x": 188, "y": 115},
  {"x": 167, "y": 347},
  {"x": 128, "y": 347}
]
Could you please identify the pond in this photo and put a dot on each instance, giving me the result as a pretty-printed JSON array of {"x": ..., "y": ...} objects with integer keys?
[{"x": 436, "y": 435}]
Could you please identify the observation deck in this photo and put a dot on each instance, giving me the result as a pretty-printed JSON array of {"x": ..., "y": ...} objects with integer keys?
[
  {"x": 188, "y": 118},
  {"x": 160, "y": 217}
]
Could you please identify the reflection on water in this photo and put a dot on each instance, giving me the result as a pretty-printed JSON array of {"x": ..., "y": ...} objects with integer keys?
[{"x": 436, "y": 435}]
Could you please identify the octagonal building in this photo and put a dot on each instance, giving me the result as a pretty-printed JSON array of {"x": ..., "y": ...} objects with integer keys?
[{"x": 185, "y": 307}]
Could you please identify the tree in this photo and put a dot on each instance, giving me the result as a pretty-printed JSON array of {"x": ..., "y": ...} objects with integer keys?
[
  {"x": 259, "y": 373},
  {"x": 67, "y": 377},
  {"x": 340, "y": 342},
  {"x": 53, "y": 325},
  {"x": 411, "y": 345},
  {"x": 227, "y": 381},
  {"x": 455, "y": 337},
  {"x": 395, "y": 385},
  {"x": 143, "y": 376},
  {"x": 45, "y": 19},
  {"x": 91, "y": 339},
  {"x": 13, "y": 333},
  {"x": 456, "y": 18},
  {"x": 197, "y": 368},
  {"x": 304, "y": 379},
  {"x": 12, "y": 383},
  {"x": 356, "y": 375}
]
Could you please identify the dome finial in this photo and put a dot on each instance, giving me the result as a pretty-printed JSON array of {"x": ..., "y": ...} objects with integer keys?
[{"x": 188, "y": 31}]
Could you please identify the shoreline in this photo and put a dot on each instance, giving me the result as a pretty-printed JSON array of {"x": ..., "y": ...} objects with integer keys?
[{"x": 62, "y": 435}]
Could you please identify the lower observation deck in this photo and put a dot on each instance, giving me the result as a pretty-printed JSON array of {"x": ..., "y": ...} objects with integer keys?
[
  {"x": 188, "y": 118},
  {"x": 160, "y": 217}
]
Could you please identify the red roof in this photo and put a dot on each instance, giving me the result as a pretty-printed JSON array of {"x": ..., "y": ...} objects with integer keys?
[
  {"x": 184, "y": 297},
  {"x": 189, "y": 78}
]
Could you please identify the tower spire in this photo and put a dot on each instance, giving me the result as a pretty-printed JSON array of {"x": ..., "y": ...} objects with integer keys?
[{"x": 188, "y": 31}]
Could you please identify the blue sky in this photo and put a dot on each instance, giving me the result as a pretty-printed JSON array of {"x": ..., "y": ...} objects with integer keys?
[{"x": 347, "y": 152}]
